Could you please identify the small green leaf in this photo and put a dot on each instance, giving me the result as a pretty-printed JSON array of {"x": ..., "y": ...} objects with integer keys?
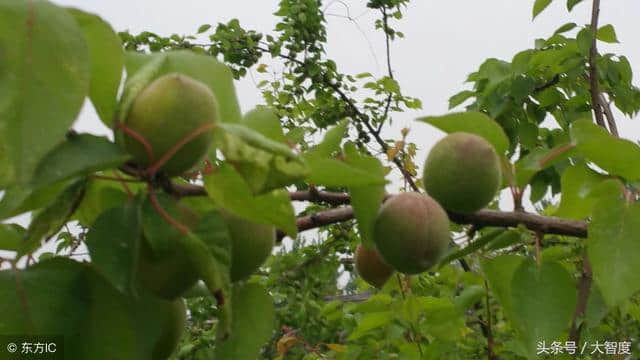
[
  {"x": 370, "y": 322},
  {"x": 622, "y": 157},
  {"x": 607, "y": 34},
  {"x": 566, "y": 27},
  {"x": 572, "y": 3},
  {"x": 539, "y": 6},
  {"x": 203, "y": 28},
  {"x": 254, "y": 321},
  {"x": 613, "y": 249},
  {"x": 543, "y": 299},
  {"x": 78, "y": 155},
  {"x": 585, "y": 39},
  {"x": 331, "y": 172},
  {"x": 49, "y": 221},
  {"x": 460, "y": 97},
  {"x": 474, "y": 246},
  {"x": 472, "y": 122},
  {"x": 106, "y": 60}
]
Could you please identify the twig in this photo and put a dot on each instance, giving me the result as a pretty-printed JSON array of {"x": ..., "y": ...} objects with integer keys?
[
  {"x": 584, "y": 288},
  {"x": 163, "y": 213},
  {"x": 593, "y": 71},
  {"x": 611, "y": 121}
]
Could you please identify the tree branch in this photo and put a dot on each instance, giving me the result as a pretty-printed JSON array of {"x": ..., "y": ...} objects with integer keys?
[
  {"x": 584, "y": 285},
  {"x": 534, "y": 222},
  {"x": 593, "y": 71}
]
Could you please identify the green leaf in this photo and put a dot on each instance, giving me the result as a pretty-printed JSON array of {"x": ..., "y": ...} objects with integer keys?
[
  {"x": 613, "y": 249},
  {"x": 622, "y": 157},
  {"x": 471, "y": 122},
  {"x": 10, "y": 237},
  {"x": 459, "y": 98},
  {"x": 566, "y": 27},
  {"x": 265, "y": 121},
  {"x": 572, "y": 3},
  {"x": 437, "y": 317},
  {"x": 101, "y": 195},
  {"x": 17, "y": 200},
  {"x": 585, "y": 38},
  {"x": 543, "y": 299},
  {"x": 579, "y": 184},
  {"x": 257, "y": 140},
  {"x": 539, "y": 159},
  {"x": 113, "y": 243},
  {"x": 607, "y": 34},
  {"x": 370, "y": 322},
  {"x": 63, "y": 297},
  {"x": 474, "y": 246},
  {"x": 253, "y": 323},
  {"x": 229, "y": 190},
  {"x": 106, "y": 63},
  {"x": 49, "y": 221},
  {"x": 469, "y": 296},
  {"x": 203, "y": 28},
  {"x": 539, "y": 6},
  {"x": 331, "y": 142},
  {"x": 331, "y": 172},
  {"x": 44, "y": 78},
  {"x": 78, "y": 155},
  {"x": 365, "y": 200},
  {"x": 499, "y": 272}
]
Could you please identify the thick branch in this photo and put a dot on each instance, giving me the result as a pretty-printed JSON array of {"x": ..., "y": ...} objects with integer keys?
[
  {"x": 543, "y": 224},
  {"x": 584, "y": 285}
]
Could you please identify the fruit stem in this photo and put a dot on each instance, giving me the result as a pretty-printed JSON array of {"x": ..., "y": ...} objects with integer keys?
[
  {"x": 139, "y": 138},
  {"x": 163, "y": 213}
]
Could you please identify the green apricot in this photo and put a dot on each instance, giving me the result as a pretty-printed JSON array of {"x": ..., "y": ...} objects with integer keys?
[
  {"x": 167, "y": 274},
  {"x": 411, "y": 232},
  {"x": 166, "y": 112},
  {"x": 462, "y": 172},
  {"x": 175, "y": 321},
  {"x": 371, "y": 268},
  {"x": 251, "y": 245}
]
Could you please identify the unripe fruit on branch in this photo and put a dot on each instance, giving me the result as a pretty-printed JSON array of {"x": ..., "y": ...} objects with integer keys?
[
  {"x": 171, "y": 331},
  {"x": 168, "y": 274},
  {"x": 170, "y": 110},
  {"x": 411, "y": 232},
  {"x": 371, "y": 268},
  {"x": 462, "y": 172},
  {"x": 251, "y": 245}
]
